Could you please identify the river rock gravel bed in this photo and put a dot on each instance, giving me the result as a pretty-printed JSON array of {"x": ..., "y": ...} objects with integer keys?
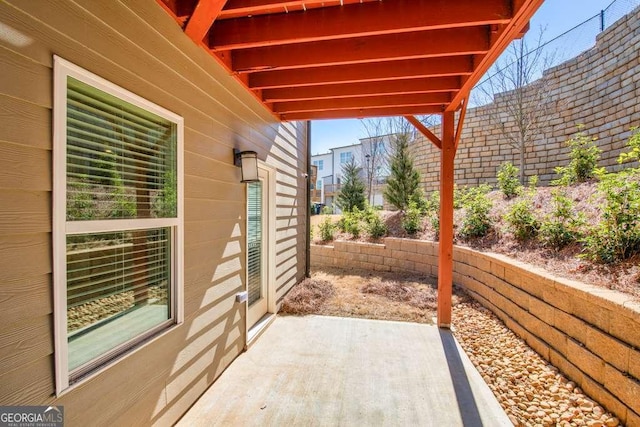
[{"x": 531, "y": 391}]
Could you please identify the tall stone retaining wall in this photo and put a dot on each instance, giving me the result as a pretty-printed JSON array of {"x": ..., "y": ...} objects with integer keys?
[
  {"x": 589, "y": 333},
  {"x": 599, "y": 88}
]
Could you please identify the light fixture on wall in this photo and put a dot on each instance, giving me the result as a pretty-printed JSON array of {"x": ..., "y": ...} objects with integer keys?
[{"x": 247, "y": 161}]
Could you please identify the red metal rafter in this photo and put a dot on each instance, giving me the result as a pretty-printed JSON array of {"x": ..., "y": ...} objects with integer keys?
[
  {"x": 356, "y": 20},
  {"x": 414, "y": 68},
  {"x": 200, "y": 22},
  {"x": 348, "y": 90},
  {"x": 423, "y": 44},
  {"x": 411, "y": 100},
  {"x": 424, "y": 130},
  {"x": 361, "y": 113}
]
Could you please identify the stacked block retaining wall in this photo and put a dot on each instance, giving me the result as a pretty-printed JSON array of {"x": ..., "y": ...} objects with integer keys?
[
  {"x": 590, "y": 333},
  {"x": 599, "y": 88}
]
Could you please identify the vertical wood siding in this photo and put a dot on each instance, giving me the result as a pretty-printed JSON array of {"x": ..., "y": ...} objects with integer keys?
[{"x": 136, "y": 45}]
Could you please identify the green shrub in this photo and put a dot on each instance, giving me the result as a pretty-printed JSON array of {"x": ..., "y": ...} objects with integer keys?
[
  {"x": 634, "y": 145},
  {"x": 561, "y": 227},
  {"x": 420, "y": 200},
  {"x": 327, "y": 229},
  {"x": 433, "y": 202},
  {"x": 476, "y": 221},
  {"x": 508, "y": 181},
  {"x": 412, "y": 219},
  {"x": 326, "y": 210},
  {"x": 520, "y": 216},
  {"x": 369, "y": 214},
  {"x": 459, "y": 196},
  {"x": 350, "y": 222},
  {"x": 521, "y": 219},
  {"x": 584, "y": 157},
  {"x": 376, "y": 227},
  {"x": 617, "y": 236}
]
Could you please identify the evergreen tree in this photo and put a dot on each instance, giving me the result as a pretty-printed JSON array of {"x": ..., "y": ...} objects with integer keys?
[
  {"x": 403, "y": 184},
  {"x": 352, "y": 191}
]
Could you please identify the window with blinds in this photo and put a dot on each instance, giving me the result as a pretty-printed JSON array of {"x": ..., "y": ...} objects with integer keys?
[
  {"x": 254, "y": 241},
  {"x": 117, "y": 199}
]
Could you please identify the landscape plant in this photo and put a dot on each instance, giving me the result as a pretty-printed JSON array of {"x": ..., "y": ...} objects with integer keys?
[
  {"x": 584, "y": 156},
  {"x": 404, "y": 180},
  {"x": 412, "y": 219},
  {"x": 521, "y": 217},
  {"x": 476, "y": 221},
  {"x": 350, "y": 222},
  {"x": 352, "y": 191},
  {"x": 617, "y": 236},
  {"x": 562, "y": 226},
  {"x": 508, "y": 180},
  {"x": 376, "y": 227},
  {"x": 327, "y": 229}
]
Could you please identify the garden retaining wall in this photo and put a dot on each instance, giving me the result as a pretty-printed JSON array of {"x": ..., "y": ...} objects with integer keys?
[
  {"x": 590, "y": 333},
  {"x": 599, "y": 88}
]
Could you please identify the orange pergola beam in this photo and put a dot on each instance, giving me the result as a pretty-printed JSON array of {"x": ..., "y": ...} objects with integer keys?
[
  {"x": 424, "y": 130},
  {"x": 361, "y": 113},
  {"x": 410, "y": 100},
  {"x": 463, "y": 113},
  {"x": 356, "y": 20},
  {"x": 205, "y": 12},
  {"x": 445, "y": 248},
  {"x": 348, "y": 90},
  {"x": 354, "y": 73},
  {"x": 424, "y": 44}
]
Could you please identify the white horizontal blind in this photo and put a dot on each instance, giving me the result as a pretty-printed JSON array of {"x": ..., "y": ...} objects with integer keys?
[
  {"x": 254, "y": 241},
  {"x": 121, "y": 159},
  {"x": 121, "y": 164}
]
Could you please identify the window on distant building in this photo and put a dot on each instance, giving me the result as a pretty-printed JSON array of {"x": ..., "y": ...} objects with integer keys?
[
  {"x": 319, "y": 164},
  {"x": 346, "y": 157},
  {"x": 117, "y": 221},
  {"x": 319, "y": 185}
]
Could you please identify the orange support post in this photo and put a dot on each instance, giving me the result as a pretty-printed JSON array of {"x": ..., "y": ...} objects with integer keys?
[{"x": 445, "y": 253}]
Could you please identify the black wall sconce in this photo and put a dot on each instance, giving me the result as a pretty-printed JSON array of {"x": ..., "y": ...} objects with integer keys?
[{"x": 247, "y": 161}]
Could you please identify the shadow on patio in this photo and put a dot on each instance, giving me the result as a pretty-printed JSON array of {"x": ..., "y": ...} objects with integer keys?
[{"x": 318, "y": 370}]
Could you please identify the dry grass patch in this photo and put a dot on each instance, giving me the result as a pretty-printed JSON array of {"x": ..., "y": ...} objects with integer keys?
[
  {"x": 308, "y": 297},
  {"x": 354, "y": 293}
]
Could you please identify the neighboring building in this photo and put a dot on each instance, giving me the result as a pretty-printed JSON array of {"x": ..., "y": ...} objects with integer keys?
[{"x": 330, "y": 169}]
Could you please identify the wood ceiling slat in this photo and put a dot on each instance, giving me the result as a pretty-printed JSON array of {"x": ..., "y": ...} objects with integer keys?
[
  {"x": 413, "y": 68},
  {"x": 412, "y": 100},
  {"x": 423, "y": 44},
  {"x": 391, "y": 87},
  {"x": 362, "y": 113},
  {"x": 356, "y": 20}
]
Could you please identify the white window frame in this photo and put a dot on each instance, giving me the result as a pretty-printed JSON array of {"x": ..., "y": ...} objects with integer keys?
[
  {"x": 348, "y": 155},
  {"x": 61, "y": 228}
]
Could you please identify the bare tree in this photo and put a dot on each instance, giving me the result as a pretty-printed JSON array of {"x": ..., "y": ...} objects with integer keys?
[
  {"x": 520, "y": 97},
  {"x": 375, "y": 150}
]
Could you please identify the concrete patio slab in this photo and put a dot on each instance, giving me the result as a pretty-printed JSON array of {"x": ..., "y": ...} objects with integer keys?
[{"x": 331, "y": 371}]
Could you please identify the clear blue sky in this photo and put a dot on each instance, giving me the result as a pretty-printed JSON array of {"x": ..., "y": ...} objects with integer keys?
[{"x": 557, "y": 16}]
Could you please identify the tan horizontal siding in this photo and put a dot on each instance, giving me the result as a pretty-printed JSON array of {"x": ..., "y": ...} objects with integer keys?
[{"x": 135, "y": 45}]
